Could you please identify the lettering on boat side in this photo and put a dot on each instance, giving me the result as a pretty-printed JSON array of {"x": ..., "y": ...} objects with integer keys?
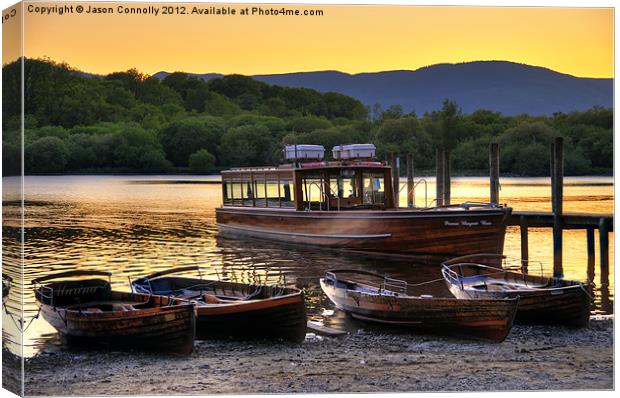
[{"x": 466, "y": 223}]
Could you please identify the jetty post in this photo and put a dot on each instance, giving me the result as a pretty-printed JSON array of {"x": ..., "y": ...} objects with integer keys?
[
  {"x": 590, "y": 249},
  {"x": 494, "y": 174},
  {"x": 590, "y": 244},
  {"x": 447, "y": 179},
  {"x": 410, "y": 182},
  {"x": 440, "y": 164},
  {"x": 525, "y": 252},
  {"x": 603, "y": 241},
  {"x": 557, "y": 192},
  {"x": 396, "y": 179}
]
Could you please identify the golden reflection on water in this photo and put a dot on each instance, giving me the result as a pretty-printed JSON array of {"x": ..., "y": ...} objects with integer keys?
[{"x": 134, "y": 225}]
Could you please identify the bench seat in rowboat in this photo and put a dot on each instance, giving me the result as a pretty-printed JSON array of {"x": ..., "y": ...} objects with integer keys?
[{"x": 88, "y": 311}]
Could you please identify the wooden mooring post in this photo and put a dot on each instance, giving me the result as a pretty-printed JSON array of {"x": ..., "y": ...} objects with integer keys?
[
  {"x": 590, "y": 250},
  {"x": 525, "y": 250},
  {"x": 410, "y": 182},
  {"x": 494, "y": 172},
  {"x": 396, "y": 179},
  {"x": 447, "y": 169},
  {"x": 603, "y": 241},
  {"x": 440, "y": 164},
  {"x": 557, "y": 195}
]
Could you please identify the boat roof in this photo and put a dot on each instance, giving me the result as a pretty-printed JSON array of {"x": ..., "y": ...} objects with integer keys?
[{"x": 317, "y": 165}]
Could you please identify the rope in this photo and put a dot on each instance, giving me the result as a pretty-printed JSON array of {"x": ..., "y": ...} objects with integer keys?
[
  {"x": 427, "y": 282},
  {"x": 583, "y": 287},
  {"x": 19, "y": 323}
]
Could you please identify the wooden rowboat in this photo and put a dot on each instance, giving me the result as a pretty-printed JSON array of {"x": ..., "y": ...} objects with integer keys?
[
  {"x": 541, "y": 299},
  {"x": 377, "y": 298},
  {"x": 88, "y": 311},
  {"x": 229, "y": 309}
]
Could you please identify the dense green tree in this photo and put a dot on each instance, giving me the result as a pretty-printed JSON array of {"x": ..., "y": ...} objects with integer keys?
[
  {"x": 201, "y": 161},
  {"x": 131, "y": 79},
  {"x": 184, "y": 137},
  {"x": 307, "y": 124},
  {"x": 218, "y": 105},
  {"x": 45, "y": 155},
  {"x": 249, "y": 145},
  {"x": 402, "y": 136}
]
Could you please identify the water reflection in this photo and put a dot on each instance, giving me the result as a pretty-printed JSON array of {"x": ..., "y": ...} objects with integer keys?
[{"x": 136, "y": 225}]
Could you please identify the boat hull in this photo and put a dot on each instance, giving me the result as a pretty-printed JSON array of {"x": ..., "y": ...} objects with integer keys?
[
  {"x": 166, "y": 328},
  {"x": 569, "y": 306},
  {"x": 283, "y": 318},
  {"x": 482, "y": 319},
  {"x": 428, "y": 236}
]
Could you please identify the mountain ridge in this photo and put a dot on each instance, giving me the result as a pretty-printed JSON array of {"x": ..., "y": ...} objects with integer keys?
[{"x": 503, "y": 86}]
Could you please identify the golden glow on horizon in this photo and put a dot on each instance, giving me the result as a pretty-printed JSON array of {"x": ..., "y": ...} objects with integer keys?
[{"x": 353, "y": 39}]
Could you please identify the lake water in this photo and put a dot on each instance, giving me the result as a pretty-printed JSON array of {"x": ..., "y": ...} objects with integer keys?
[{"x": 134, "y": 225}]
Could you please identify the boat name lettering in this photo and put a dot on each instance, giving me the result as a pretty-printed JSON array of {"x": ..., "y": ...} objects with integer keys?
[{"x": 466, "y": 223}]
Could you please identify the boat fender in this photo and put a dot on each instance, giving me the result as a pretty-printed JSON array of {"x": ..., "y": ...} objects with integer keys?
[{"x": 426, "y": 296}]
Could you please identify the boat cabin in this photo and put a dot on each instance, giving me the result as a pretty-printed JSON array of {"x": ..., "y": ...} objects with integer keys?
[{"x": 353, "y": 182}]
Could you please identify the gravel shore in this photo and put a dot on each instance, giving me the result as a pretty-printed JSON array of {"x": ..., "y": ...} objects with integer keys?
[{"x": 532, "y": 358}]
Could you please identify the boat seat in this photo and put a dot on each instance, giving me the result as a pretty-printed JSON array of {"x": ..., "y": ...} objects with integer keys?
[
  {"x": 474, "y": 279},
  {"x": 92, "y": 310},
  {"x": 123, "y": 307},
  {"x": 210, "y": 298},
  {"x": 498, "y": 287}
]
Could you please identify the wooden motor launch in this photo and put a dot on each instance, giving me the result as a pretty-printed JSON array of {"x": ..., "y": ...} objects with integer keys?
[
  {"x": 230, "y": 309},
  {"x": 543, "y": 300},
  {"x": 349, "y": 204},
  {"x": 88, "y": 311},
  {"x": 377, "y": 298}
]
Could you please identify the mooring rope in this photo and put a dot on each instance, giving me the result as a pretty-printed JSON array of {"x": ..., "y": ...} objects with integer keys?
[{"x": 18, "y": 323}]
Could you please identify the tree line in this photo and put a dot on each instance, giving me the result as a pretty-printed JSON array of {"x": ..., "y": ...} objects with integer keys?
[{"x": 132, "y": 122}]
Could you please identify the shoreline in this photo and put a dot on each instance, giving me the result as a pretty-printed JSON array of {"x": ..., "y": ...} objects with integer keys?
[{"x": 531, "y": 358}]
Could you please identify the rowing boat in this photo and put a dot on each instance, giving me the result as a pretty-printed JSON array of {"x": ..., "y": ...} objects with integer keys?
[
  {"x": 230, "y": 309},
  {"x": 542, "y": 300},
  {"x": 88, "y": 311},
  {"x": 373, "y": 297}
]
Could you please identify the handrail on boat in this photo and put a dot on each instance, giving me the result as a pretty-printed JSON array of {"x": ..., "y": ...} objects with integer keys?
[
  {"x": 324, "y": 197},
  {"x": 172, "y": 271},
  {"x": 68, "y": 274},
  {"x": 470, "y": 257},
  {"x": 392, "y": 284}
]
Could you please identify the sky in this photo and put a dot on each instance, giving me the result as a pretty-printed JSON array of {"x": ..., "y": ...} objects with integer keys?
[{"x": 353, "y": 39}]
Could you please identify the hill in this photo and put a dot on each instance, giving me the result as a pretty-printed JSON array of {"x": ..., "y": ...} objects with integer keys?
[{"x": 501, "y": 86}]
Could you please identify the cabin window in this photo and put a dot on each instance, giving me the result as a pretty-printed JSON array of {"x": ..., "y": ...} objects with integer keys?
[
  {"x": 312, "y": 190},
  {"x": 286, "y": 193},
  {"x": 242, "y": 193},
  {"x": 374, "y": 189},
  {"x": 273, "y": 197},
  {"x": 227, "y": 192},
  {"x": 260, "y": 192}
]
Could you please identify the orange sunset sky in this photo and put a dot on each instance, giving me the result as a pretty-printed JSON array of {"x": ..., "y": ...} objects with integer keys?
[{"x": 577, "y": 41}]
